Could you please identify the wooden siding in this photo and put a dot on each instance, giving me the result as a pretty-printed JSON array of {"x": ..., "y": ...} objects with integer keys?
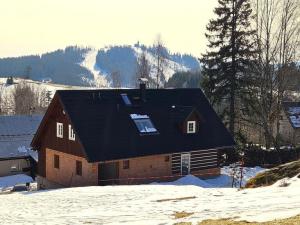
[
  {"x": 19, "y": 164},
  {"x": 199, "y": 160},
  {"x": 49, "y": 140}
]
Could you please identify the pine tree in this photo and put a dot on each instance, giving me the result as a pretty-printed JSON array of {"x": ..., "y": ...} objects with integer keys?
[{"x": 231, "y": 50}]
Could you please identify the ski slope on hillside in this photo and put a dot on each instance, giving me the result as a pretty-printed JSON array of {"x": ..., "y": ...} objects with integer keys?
[{"x": 89, "y": 62}]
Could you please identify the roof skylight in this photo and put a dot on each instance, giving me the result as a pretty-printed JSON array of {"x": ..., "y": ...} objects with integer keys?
[
  {"x": 126, "y": 100},
  {"x": 143, "y": 123}
]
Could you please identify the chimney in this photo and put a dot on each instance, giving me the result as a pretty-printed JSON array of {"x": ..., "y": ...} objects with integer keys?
[{"x": 143, "y": 84}]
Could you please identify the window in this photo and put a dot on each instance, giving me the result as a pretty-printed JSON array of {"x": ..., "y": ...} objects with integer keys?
[
  {"x": 78, "y": 168},
  {"x": 56, "y": 161},
  {"x": 71, "y": 133},
  {"x": 15, "y": 168},
  {"x": 126, "y": 164},
  {"x": 167, "y": 158},
  {"x": 126, "y": 100},
  {"x": 59, "y": 130},
  {"x": 143, "y": 123},
  {"x": 191, "y": 127}
]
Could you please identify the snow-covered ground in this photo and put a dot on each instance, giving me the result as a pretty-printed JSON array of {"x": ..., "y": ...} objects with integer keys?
[
  {"x": 6, "y": 91},
  {"x": 150, "y": 204},
  {"x": 37, "y": 85},
  {"x": 222, "y": 181}
]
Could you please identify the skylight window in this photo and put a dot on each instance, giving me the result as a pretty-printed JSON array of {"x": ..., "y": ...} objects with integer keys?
[
  {"x": 126, "y": 100},
  {"x": 143, "y": 123}
]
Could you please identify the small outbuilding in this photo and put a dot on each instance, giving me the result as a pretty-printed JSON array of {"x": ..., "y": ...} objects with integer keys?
[
  {"x": 16, "y": 133},
  {"x": 289, "y": 128}
]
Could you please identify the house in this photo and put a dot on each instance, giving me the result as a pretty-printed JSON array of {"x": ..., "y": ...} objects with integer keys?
[
  {"x": 128, "y": 136},
  {"x": 16, "y": 133},
  {"x": 289, "y": 128}
]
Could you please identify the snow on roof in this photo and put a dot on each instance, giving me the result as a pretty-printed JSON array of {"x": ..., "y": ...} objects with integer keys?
[
  {"x": 295, "y": 120},
  {"x": 14, "y": 148},
  {"x": 294, "y": 115},
  {"x": 33, "y": 154},
  {"x": 294, "y": 110},
  {"x": 138, "y": 116},
  {"x": 19, "y": 124},
  {"x": 16, "y": 133}
]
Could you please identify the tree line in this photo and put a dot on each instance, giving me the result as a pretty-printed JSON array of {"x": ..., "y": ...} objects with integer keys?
[
  {"x": 24, "y": 99},
  {"x": 156, "y": 72},
  {"x": 253, "y": 50}
]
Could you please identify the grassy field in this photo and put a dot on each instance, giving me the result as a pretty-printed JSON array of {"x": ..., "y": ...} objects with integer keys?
[
  {"x": 289, "y": 221},
  {"x": 269, "y": 177}
]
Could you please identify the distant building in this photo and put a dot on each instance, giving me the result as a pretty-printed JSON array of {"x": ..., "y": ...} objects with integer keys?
[
  {"x": 290, "y": 123},
  {"x": 16, "y": 133},
  {"x": 128, "y": 136}
]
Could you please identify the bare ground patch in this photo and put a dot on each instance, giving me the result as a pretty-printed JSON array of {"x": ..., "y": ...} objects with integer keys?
[
  {"x": 176, "y": 199},
  {"x": 183, "y": 214},
  {"x": 289, "y": 221}
]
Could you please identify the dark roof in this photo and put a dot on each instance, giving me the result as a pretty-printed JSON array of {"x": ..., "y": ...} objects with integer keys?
[
  {"x": 16, "y": 133},
  {"x": 103, "y": 124},
  {"x": 292, "y": 110}
]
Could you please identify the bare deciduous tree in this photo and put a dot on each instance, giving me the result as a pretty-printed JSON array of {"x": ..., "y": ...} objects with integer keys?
[
  {"x": 277, "y": 26},
  {"x": 24, "y": 98},
  {"x": 28, "y": 100}
]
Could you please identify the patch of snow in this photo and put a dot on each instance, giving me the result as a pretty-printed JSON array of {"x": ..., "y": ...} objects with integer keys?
[
  {"x": 248, "y": 172},
  {"x": 222, "y": 181},
  {"x": 10, "y": 181},
  {"x": 190, "y": 180},
  {"x": 33, "y": 154},
  {"x": 294, "y": 181},
  {"x": 22, "y": 149},
  {"x": 138, "y": 116}
]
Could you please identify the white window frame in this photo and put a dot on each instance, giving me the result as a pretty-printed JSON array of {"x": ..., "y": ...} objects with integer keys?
[
  {"x": 59, "y": 130},
  {"x": 71, "y": 133},
  {"x": 194, "y": 127}
]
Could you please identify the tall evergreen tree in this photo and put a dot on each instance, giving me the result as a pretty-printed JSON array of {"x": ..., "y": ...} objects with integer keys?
[{"x": 230, "y": 51}]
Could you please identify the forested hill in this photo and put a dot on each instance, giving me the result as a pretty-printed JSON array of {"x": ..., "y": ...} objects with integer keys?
[
  {"x": 91, "y": 67},
  {"x": 61, "y": 66}
]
